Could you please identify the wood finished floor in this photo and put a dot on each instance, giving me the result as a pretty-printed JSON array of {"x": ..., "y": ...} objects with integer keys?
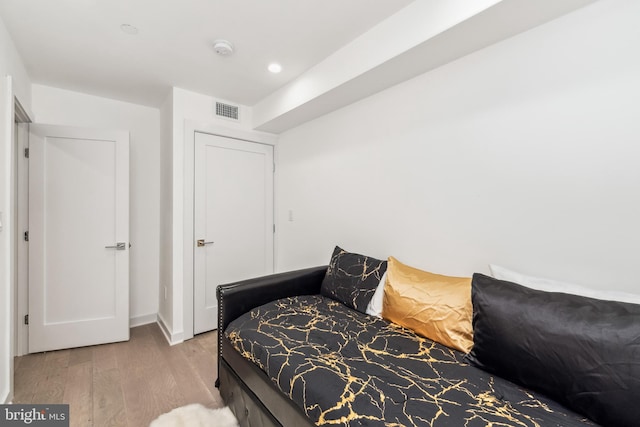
[{"x": 126, "y": 384}]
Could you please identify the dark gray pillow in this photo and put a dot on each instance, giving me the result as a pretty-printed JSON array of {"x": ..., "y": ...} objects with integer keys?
[
  {"x": 352, "y": 278},
  {"x": 582, "y": 352}
]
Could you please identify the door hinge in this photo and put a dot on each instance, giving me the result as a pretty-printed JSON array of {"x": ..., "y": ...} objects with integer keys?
[
  {"x": 26, "y": 236},
  {"x": 26, "y": 153},
  {"x": 26, "y": 319},
  {"x": 274, "y": 167}
]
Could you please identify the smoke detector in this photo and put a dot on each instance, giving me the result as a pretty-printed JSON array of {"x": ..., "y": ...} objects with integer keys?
[
  {"x": 129, "y": 29},
  {"x": 223, "y": 47}
]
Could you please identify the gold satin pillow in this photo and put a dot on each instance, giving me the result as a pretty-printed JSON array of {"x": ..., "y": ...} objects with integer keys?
[{"x": 434, "y": 306}]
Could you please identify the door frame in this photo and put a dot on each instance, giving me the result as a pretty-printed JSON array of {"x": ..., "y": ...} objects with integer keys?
[
  {"x": 22, "y": 223},
  {"x": 191, "y": 127},
  {"x": 15, "y": 118},
  {"x": 21, "y": 331}
]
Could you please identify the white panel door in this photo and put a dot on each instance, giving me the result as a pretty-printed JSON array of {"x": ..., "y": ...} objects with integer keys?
[
  {"x": 78, "y": 237},
  {"x": 233, "y": 224}
]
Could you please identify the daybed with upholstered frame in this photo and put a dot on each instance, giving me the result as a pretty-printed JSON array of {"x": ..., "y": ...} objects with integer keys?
[
  {"x": 298, "y": 349},
  {"x": 244, "y": 387}
]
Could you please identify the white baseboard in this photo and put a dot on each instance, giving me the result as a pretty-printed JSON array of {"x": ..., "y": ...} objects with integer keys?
[
  {"x": 172, "y": 338},
  {"x": 145, "y": 319}
]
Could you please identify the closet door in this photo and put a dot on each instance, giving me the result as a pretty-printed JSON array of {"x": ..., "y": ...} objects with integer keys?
[{"x": 233, "y": 218}]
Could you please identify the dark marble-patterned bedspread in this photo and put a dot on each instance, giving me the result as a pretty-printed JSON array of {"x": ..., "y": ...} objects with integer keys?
[{"x": 343, "y": 367}]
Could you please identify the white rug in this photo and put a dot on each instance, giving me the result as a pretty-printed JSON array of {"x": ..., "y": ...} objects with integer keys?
[{"x": 196, "y": 415}]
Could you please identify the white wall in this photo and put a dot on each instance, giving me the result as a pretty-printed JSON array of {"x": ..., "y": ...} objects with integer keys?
[
  {"x": 524, "y": 154},
  {"x": 63, "y": 107},
  {"x": 165, "y": 312},
  {"x": 10, "y": 65}
]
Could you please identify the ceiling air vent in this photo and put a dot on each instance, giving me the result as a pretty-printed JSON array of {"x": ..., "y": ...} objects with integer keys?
[{"x": 227, "y": 111}]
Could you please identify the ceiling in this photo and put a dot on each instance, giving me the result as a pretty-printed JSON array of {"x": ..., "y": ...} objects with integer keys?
[{"x": 78, "y": 44}]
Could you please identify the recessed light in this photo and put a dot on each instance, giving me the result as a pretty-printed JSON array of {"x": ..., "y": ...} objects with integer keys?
[
  {"x": 274, "y": 67},
  {"x": 129, "y": 29}
]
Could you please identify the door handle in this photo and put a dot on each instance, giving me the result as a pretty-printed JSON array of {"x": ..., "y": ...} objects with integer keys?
[
  {"x": 120, "y": 246},
  {"x": 201, "y": 243}
]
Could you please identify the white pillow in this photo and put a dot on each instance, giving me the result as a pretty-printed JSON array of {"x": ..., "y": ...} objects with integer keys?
[
  {"x": 374, "y": 308},
  {"x": 550, "y": 285}
]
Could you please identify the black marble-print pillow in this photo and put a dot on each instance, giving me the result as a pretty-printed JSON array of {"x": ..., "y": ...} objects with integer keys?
[{"x": 352, "y": 278}]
